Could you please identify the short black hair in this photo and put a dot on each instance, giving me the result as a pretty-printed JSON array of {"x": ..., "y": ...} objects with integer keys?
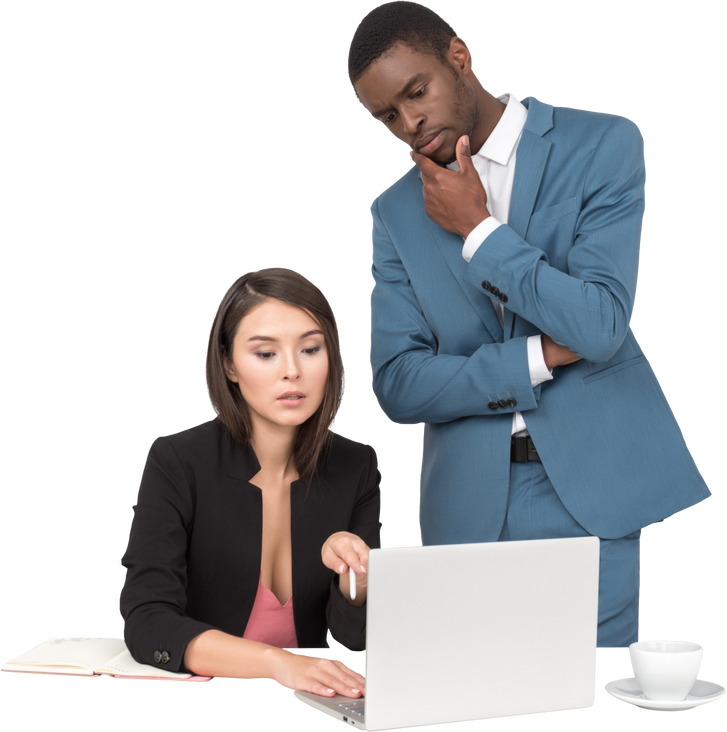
[{"x": 398, "y": 22}]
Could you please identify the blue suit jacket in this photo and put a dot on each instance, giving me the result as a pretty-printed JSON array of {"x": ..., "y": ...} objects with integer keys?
[{"x": 567, "y": 263}]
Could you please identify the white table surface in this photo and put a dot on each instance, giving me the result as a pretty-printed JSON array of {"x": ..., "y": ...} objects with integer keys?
[{"x": 207, "y": 711}]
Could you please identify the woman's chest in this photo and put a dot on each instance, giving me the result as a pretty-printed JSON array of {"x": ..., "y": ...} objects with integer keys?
[{"x": 276, "y": 544}]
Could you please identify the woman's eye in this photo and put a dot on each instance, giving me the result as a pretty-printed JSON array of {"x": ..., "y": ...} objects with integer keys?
[
  {"x": 306, "y": 350},
  {"x": 265, "y": 355}
]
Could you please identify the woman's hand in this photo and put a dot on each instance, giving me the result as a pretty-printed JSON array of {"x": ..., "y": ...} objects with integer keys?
[
  {"x": 341, "y": 551},
  {"x": 318, "y": 675}
]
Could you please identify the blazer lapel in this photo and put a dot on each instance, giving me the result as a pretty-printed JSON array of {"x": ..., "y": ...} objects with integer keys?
[
  {"x": 532, "y": 155},
  {"x": 450, "y": 247}
]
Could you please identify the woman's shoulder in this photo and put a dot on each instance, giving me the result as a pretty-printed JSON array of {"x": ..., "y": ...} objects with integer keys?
[
  {"x": 348, "y": 455},
  {"x": 341, "y": 445},
  {"x": 195, "y": 443}
]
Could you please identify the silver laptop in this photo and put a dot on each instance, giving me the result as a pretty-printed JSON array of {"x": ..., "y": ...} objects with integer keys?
[{"x": 471, "y": 631}]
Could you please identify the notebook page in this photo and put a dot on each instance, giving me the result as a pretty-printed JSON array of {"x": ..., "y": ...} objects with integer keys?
[
  {"x": 124, "y": 665},
  {"x": 79, "y": 654}
]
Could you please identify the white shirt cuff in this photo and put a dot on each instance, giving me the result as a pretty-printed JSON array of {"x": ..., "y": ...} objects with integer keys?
[
  {"x": 478, "y": 235},
  {"x": 539, "y": 372}
]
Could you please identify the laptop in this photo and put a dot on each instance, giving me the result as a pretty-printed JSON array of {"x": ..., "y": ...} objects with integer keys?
[{"x": 471, "y": 631}]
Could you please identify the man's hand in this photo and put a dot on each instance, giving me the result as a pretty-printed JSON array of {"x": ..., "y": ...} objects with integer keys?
[
  {"x": 556, "y": 355},
  {"x": 454, "y": 200}
]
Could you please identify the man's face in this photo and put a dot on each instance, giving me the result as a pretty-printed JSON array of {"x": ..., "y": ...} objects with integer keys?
[{"x": 427, "y": 104}]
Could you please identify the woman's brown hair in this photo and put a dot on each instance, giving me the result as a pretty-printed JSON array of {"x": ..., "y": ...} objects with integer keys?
[{"x": 247, "y": 293}]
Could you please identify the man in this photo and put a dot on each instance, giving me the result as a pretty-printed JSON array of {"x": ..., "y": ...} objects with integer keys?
[{"x": 504, "y": 285}]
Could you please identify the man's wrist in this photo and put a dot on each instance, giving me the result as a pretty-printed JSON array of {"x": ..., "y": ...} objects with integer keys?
[
  {"x": 474, "y": 223},
  {"x": 539, "y": 371},
  {"x": 478, "y": 235}
]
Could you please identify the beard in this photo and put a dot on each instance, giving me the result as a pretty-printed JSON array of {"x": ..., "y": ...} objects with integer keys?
[{"x": 466, "y": 113}]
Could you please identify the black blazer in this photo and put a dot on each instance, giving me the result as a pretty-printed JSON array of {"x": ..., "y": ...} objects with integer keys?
[{"x": 193, "y": 560}]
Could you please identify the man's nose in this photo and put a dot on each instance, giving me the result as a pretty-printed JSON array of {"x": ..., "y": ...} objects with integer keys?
[{"x": 412, "y": 124}]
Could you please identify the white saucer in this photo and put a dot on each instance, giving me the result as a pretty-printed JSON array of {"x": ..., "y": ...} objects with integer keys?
[{"x": 702, "y": 692}]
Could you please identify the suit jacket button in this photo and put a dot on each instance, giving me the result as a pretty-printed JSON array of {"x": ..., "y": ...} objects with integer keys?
[
  {"x": 503, "y": 297},
  {"x": 492, "y": 405},
  {"x": 511, "y": 402},
  {"x": 165, "y": 657},
  {"x": 502, "y": 404},
  {"x": 157, "y": 656},
  {"x": 486, "y": 285},
  {"x": 494, "y": 291}
]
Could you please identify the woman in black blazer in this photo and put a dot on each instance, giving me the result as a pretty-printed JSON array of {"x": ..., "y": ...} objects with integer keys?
[{"x": 234, "y": 516}]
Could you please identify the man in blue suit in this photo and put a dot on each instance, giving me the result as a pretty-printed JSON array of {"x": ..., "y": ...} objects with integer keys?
[{"x": 505, "y": 266}]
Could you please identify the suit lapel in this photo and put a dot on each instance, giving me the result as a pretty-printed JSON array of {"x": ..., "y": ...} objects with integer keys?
[
  {"x": 450, "y": 247},
  {"x": 532, "y": 155}
]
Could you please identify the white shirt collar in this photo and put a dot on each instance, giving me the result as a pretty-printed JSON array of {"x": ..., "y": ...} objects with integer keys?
[{"x": 503, "y": 140}]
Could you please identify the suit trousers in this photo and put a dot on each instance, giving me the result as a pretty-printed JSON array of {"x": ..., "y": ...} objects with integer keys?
[{"x": 534, "y": 511}]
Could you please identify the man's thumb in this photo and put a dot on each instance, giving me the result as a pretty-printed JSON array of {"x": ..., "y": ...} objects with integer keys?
[{"x": 463, "y": 153}]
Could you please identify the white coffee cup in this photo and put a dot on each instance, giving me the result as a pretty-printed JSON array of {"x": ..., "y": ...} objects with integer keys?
[{"x": 665, "y": 670}]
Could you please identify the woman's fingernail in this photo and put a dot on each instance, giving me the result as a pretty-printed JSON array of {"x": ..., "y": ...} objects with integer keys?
[
  {"x": 330, "y": 691},
  {"x": 356, "y": 691},
  {"x": 341, "y": 568}
]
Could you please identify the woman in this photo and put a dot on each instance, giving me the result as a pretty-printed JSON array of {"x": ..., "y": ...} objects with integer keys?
[{"x": 233, "y": 517}]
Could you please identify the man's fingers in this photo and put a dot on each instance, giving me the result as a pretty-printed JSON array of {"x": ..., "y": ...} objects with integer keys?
[
  {"x": 462, "y": 151},
  {"x": 423, "y": 162}
]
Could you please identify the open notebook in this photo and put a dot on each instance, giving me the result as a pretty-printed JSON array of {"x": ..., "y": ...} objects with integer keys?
[{"x": 90, "y": 657}]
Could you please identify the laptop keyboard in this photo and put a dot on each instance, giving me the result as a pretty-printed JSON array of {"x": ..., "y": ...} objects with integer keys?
[{"x": 354, "y": 707}]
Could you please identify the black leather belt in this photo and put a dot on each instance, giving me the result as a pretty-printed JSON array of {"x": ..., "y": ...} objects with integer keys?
[{"x": 522, "y": 450}]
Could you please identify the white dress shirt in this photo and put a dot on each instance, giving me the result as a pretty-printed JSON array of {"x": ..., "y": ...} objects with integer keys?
[{"x": 495, "y": 163}]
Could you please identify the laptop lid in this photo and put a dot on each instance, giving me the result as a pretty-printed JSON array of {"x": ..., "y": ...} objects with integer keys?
[{"x": 471, "y": 631}]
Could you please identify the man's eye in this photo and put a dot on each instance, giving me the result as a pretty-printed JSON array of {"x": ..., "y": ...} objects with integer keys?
[
  {"x": 417, "y": 93},
  {"x": 389, "y": 118}
]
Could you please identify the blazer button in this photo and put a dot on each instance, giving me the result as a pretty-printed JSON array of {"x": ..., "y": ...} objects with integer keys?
[
  {"x": 502, "y": 404},
  {"x": 486, "y": 285},
  {"x": 503, "y": 297},
  {"x": 157, "y": 656},
  {"x": 492, "y": 405},
  {"x": 511, "y": 402},
  {"x": 165, "y": 657},
  {"x": 494, "y": 291}
]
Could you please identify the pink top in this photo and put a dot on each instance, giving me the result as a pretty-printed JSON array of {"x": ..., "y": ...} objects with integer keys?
[{"x": 270, "y": 622}]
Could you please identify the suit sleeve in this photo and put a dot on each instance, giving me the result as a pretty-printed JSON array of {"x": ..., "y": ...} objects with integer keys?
[
  {"x": 412, "y": 381},
  {"x": 587, "y": 307},
  {"x": 153, "y": 600},
  {"x": 346, "y": 622}
]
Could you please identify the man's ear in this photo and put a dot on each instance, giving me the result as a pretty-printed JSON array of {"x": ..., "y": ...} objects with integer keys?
[{"x": 459, "y": 55}]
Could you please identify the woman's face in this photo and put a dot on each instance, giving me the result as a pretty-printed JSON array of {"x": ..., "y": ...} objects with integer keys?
[{"x": 280, "y": 362}]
